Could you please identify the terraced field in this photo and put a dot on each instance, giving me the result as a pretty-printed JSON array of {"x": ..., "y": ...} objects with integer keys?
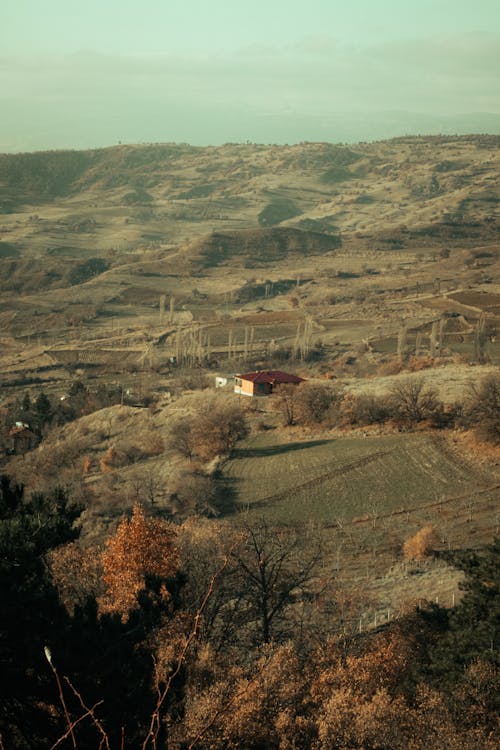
[
  {"x": 347, "y": 479},
  {"x": 362, "y": 498}
]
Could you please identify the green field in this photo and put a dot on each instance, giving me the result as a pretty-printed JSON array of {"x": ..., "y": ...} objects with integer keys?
[{"x": 345, "y": 478}]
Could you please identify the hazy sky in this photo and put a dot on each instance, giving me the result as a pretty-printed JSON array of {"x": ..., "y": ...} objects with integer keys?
[{"x": 96, "y": 72}]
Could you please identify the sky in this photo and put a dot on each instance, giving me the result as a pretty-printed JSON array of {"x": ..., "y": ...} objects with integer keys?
[{"x": 95, "y": 73}]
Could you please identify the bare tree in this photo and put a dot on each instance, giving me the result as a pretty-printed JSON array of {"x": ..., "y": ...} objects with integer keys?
[
  {"x": 303, "y": 339},
  {"x": 180, "y": 438},
  {"x": 480, "y": 340},
  {"x": 315, "y": 402},
  {"x": 213, "y": 431},
  {"x": 275, "y": 572},
  {"x": 286, "y": 397},
  {"x": 483, "y": 409},
  {"x": 412, "y": 401},
  {"x": 403, "y": 343}
]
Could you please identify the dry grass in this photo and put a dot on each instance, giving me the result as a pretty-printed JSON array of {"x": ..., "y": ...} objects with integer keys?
[{"x": 358, "y": 296}]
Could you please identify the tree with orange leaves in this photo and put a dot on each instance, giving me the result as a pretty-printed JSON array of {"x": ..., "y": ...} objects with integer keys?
[{"x": 141, "y": 548}]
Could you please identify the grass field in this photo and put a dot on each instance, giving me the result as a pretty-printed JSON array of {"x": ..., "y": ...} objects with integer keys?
[
  {"x": 345, "y": 478},
  {"x": 361, "y": 498}
]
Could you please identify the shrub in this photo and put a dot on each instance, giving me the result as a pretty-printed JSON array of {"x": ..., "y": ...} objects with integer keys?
[
  {"x": 366, "y": 409},
  {"x": 420, "y": 545},
  {"x": 412, "y": 402},
  {"x": 195, "y": 492},
  {"x": 194, "y": 380},
  {"x": 315, "y": 402},
  {"x": 213, "y": 431},
  {"x": 483, "y": 410}
]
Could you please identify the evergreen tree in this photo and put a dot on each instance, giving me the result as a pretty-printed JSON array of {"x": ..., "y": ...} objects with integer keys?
[
  {"x": 30, "y": 615},
  {"x": 473, "y": 630},
  {"x": 107, "y": 660},
  {"x": 43, "y": 409}
]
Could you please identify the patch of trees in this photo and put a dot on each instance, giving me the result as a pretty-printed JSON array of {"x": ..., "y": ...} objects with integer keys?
[
  {"x": 263, "y": 245},
  {"x": 411, "y": 402},
  {"x": 336, "y": 174},
  {"x": 45, "y": 410},
  {"x": 322, "y": 226},
  {"x": 8, "y": 250},
  {"x": 199, "y": 191},
  {"x": 212, "y": 636},
  {"x": 262, "y": 290},
  {"x": 138, "y": 196}
]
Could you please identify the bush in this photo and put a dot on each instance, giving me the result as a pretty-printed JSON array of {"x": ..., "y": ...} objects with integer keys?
[
  {"x": 412, "y": 402},
  {"x": 315, "y": 402},
  {"x": 213, "y": 431},
  {"x": 366, "y": 409},
  {"x": 194, "y": 380},
  {"x": 483, "y": 410},
  {"x": 420, "y": 545},
  {"x": 195, "y": 492}
]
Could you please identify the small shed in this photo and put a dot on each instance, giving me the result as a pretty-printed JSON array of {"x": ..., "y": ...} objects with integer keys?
[
  {"x": 263, "y": 382},
  {"x": 22, "y": 440},
  {"x": 221, "y": 381}
]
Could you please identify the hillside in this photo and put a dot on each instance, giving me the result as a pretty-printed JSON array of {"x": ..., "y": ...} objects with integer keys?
[
  {"x": 117, "y": 228},
  {"x": 142, "y": 271},
  {"x": 311, "y": 567}
]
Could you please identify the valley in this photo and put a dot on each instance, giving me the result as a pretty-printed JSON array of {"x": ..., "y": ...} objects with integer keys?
[{"x": 145, "y": 271}]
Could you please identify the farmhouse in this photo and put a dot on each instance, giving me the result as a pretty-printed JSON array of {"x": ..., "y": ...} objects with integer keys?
[{"x": 263, "y": 382}]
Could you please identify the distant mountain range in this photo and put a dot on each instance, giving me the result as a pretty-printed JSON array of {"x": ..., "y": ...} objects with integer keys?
[{"x": 182, "y": 125}]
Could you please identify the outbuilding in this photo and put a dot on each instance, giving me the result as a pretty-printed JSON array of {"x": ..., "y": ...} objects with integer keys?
[{"x": 22, "y": 439}]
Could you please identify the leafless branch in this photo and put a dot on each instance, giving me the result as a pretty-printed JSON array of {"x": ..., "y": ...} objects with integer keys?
[{"x": 154, "y": 726}]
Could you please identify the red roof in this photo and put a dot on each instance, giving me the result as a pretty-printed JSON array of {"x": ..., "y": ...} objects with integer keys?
[{"x": 275, "y": 377}]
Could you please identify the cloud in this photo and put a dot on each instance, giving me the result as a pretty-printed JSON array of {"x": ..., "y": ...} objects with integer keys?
[
  {"x": 471, "y": 54},
  {"x": 175, "y": 97}
]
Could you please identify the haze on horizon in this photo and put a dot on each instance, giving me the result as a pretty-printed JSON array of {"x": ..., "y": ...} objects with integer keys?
[{"x": 75, "y": 75}]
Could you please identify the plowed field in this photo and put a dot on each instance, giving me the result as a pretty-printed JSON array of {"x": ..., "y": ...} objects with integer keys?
[{"x": 353, "y": 479}]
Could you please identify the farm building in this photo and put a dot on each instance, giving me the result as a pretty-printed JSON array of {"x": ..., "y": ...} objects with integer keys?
[
  {"x": 22, "y": 439},
  {"x": 263, "y": 382}
]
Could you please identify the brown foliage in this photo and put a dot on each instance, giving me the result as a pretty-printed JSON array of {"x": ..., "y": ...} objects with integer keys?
[
  {"x": 140, "y": 547},
  {"x": 213, "y": 431},
  {"x": 483, "y": 410},
  {"x": 315, "y": 402},
  {"x": 364, "y": 409},
  {"x": 76, "y": 572},
  {"x": 420, "y": 545},
  {"x": 352, "y": 701},
  {"x": 254, "y": 708},
  {"x": 108, "y": 460}
]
